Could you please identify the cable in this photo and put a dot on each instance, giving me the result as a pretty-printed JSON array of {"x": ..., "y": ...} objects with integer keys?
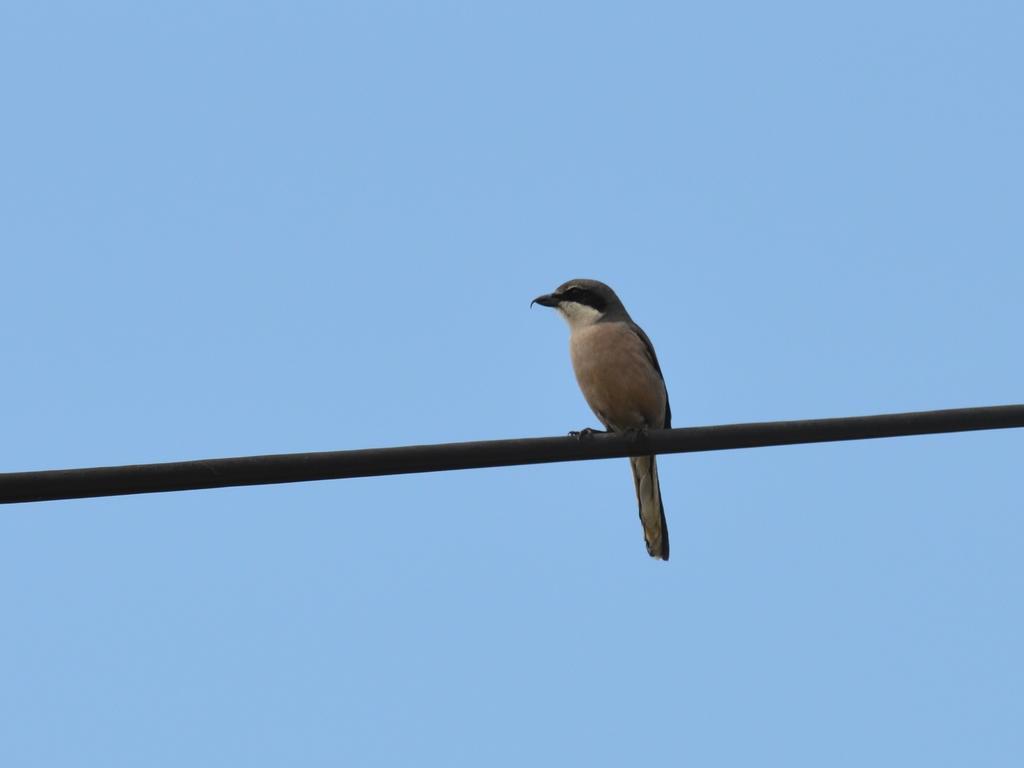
[{"x": 300, "y": 467}]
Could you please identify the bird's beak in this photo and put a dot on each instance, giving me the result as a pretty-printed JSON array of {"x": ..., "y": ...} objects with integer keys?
[{"x": 547, "y": 300}]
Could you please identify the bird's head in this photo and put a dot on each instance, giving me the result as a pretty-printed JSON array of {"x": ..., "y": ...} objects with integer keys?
[{"x": 583, "y": 302}]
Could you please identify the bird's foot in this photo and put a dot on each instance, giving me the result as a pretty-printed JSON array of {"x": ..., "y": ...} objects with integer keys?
[
  {"x": 585, "y": 433},
  {"x": 635, "y": 433}
]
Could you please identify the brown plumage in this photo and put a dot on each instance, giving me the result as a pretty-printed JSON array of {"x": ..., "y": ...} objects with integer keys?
[{"x": 618, "y": 373}]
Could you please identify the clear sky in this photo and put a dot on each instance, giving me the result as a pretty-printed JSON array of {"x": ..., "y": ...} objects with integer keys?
[{"x": 233, "y": 228}]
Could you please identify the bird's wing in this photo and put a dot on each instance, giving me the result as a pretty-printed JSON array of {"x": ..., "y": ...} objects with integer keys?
[{"x": 654, "y": 361}]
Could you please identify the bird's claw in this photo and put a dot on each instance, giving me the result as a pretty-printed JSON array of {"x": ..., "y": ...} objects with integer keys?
[
  {"x": 635, "y": 433},
  {"x": 583, "y": 433}
]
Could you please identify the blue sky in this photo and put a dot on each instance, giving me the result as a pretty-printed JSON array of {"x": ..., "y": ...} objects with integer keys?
[{"x": 243, "y": 228}]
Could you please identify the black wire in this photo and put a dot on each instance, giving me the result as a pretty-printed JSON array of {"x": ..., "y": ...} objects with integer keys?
[{"x": 299, "y": 467}]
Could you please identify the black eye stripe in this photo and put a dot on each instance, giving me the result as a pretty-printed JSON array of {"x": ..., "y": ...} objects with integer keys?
[{"x": 584, "y": 296}]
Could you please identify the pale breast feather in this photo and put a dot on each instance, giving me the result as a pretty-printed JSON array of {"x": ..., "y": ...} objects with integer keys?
[{"x": 618, "y": 376}]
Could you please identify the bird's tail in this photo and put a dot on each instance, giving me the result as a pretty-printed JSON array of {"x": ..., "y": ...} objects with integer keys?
[{"x": 652, "y": 511}]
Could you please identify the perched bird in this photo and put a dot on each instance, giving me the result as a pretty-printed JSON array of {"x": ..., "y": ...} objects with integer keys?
[{"x": 621, "y": 380}]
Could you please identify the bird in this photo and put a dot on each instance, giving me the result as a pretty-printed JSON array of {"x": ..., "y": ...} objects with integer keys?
[{"x": 621, "y": 380}]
